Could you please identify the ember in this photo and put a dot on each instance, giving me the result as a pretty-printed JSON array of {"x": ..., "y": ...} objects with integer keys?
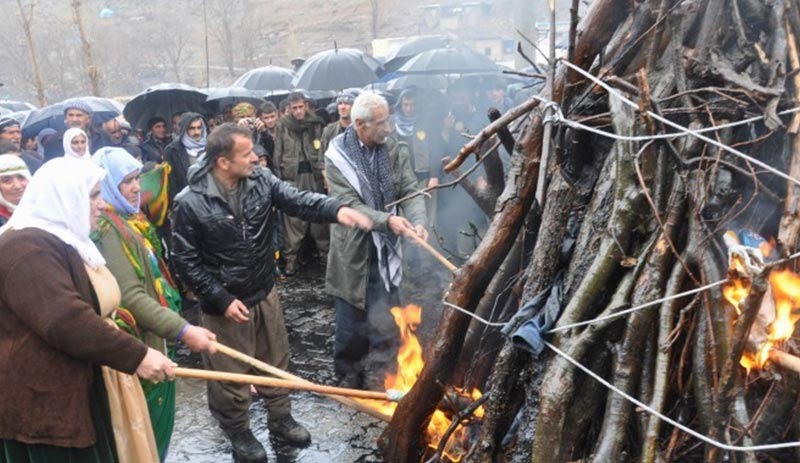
[{"x": 409, "y": 366}]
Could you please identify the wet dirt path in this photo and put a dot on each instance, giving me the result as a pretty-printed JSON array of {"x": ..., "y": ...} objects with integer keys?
[{"x": 339, "y": 434}]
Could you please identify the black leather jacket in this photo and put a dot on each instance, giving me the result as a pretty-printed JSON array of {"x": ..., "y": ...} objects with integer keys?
[{"x": 221, "y": 258}]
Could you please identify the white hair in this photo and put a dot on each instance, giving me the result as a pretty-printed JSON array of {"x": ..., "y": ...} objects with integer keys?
[{"x": 364, "y": 106}]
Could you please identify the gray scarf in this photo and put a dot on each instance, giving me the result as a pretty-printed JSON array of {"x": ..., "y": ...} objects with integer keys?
[{"x": 376, "y": 176}]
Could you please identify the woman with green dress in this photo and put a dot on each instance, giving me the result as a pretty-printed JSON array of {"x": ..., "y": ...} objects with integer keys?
[
  {"x": 150, "y": 301},
  {"x": 68, "y": 394}
]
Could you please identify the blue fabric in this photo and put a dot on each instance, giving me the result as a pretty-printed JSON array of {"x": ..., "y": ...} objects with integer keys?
[
  {"x": 540, "y": 313},
  {"x": 40, "y": 139},
  {"x": 118, "y": 163}
]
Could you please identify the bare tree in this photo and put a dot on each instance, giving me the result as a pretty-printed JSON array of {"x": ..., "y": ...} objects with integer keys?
[
  {"x": 91, "y": 69},
  {"x": 176, "y": 55},
  {"x": 223, "y": 30},
  {"x": 375, "y": 15},
  {"x": 27, "y": 18}
]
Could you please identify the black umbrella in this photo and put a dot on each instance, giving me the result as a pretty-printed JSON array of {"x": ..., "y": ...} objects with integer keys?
[
  {"x": 163, "y": 100},
  {"x": 218, "y": 98},
  {"x": 449, "y": 60},
  {"x": 52, "y": 116},
  {"x": 266, "y": 78},
  {"x": 414, "y": 48},
  {"x": 425, "y": 81},
  {"x": 337, "y": 69}
]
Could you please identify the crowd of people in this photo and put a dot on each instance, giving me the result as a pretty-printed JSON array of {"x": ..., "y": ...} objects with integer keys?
[{"x": 93, "y": 282}]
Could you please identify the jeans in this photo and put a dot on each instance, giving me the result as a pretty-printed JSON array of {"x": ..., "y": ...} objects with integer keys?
[{"x": 366, "y": 341}]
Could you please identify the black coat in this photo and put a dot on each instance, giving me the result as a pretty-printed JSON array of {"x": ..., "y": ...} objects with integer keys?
[
  {"x": 221, "y": 258},
  {"x": 178, "y": 158},
  {"x": 153, "y": 150}
]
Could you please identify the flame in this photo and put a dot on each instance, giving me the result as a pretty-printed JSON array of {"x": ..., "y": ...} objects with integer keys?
[
  {"x": 737, "y": 290},
  {"x": 785, "y": 286},
  {"x": 409, "y": 356},
  {"x": 409, "y": 366},
  {"x": 785, "y": 293}
]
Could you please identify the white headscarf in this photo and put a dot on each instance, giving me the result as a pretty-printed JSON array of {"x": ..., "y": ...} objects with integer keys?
[
  {"x": 68, "y": 151},
  {"x": 57, "y": 201},
  {"x": 12, "y": 165}
]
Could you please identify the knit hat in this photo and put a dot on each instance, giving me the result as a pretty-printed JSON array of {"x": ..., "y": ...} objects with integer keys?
[
  {"x": 77, "y": 103},
  {"x": 12, "y": 165},
  {"x": 153, "y": 121},
  {"x": 7, "y": 122},
  {"x": 347, "y": 96}
]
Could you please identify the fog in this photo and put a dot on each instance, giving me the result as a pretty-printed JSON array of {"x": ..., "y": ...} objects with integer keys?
[{"x": 135, "y": 44}]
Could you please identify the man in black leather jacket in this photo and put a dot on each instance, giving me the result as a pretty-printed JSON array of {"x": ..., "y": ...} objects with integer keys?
[{"x": 222, "y": 250}]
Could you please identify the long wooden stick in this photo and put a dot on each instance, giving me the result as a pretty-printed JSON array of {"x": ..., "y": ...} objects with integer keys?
[
  {"x": 267, "y": 368},
  {"x": 788, "y": 361},
  {"x": 450, "y": 266},
  {"x": 210, "y": 375}
]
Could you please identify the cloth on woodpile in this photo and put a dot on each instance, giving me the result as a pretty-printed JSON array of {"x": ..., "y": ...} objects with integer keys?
[{"x": 540, "y": 313}]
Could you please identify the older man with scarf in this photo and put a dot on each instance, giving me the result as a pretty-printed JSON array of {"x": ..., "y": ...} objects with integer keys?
[{"x": 367, "y": 170}]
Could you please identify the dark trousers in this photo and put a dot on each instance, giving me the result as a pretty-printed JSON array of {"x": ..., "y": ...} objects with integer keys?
[
  {"x": 264, "y": 337},
  {"x": 366, "y": 341}
]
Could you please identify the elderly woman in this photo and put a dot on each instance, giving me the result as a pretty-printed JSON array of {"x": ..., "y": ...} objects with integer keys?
[
  {"x": 76, "y": 144},
  {"x": 14, "y": 176},
  {"x": 133, "y": 253},
  {"x": 61, "y": 400}
]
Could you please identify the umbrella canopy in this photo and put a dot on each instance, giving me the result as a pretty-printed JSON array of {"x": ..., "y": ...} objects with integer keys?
[
  {"x": 52, "y": 116},
  {"x": 426, "y": 81},
  {"x": 18, "y": 116},
  {"x": 337, "y": 69},
  {"x": 449, "y": 60},
  {"x": 218, "y": 98},
  {"x": 414, "y": 48},
  {"x": 266, "y": 78},
  {"x": 13, "y": 105},
  {"x": 163, "y": 100}
]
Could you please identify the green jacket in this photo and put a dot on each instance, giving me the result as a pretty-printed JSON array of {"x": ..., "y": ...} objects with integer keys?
[
  {"x": 329, "y": 133},
  {"x": 349, "y": 254},
  {"x": 155, "y": 322},
  {"x": 294, "y": 146}
]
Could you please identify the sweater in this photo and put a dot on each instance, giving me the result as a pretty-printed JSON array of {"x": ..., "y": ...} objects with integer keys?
[{"x": 51, "y": 338}]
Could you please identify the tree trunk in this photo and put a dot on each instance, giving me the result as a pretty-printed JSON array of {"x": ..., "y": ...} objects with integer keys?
[
  {"x": 92, "y": 72},
  {"x": 27, "y": 20}
]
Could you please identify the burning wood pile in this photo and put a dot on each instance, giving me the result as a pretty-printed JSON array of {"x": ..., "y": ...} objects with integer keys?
[
  {"x": 630, "y": 332},
  {"x": 445, "y": 433}
]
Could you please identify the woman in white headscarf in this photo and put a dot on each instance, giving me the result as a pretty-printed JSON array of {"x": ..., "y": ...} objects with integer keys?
[
  {"x": 61, "y": 400},
  {"x": 76, "y": 144},
  {"x": 14, "y": 177}
]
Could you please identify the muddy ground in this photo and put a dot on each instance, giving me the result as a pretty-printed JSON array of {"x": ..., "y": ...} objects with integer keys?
[{"x": 339, "y": 434}]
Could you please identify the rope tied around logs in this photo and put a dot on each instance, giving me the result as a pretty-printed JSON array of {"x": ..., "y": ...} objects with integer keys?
[{"x": 540, "y": 313}]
